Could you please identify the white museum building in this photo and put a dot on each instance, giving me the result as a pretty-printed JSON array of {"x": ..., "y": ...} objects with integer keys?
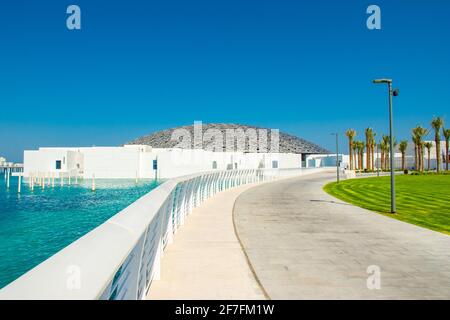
[{"x": 157, "y": 155}]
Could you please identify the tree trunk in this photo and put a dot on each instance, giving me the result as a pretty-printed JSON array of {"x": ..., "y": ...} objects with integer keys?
[
  {"x": 351, "y": 153},
  {"x": 438, "y": 152},
  {"x": 373, "y": 157},
  {"x": 422, "y": 158},
  {"x": 403, "y": 161},
  {"x": 429, "y": 156},
  {"x": 359, "y": 160},
  {"x": 386, "y": 161},
  {"x": 419, "y": 159},
  {"x": 362, "y": 159},
  {"x": 416, "y": 163},
  {"x": 367, "y": 156},
  {"x": 446, "y": 155}
]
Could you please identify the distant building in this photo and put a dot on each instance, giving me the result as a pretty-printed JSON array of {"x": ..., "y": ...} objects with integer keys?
[
  {"x": 141, "y": 157},
  {"x": 10, "y": 167}
]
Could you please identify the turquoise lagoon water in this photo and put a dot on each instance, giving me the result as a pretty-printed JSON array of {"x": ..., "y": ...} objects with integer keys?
[{"x": 36, "y": 224}]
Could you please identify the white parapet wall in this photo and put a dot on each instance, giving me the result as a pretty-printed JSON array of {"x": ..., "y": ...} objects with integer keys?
[{"x": 120, "y": 258}]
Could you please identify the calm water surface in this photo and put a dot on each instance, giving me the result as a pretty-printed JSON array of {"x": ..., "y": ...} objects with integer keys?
[{"x": 35, "y": 225}]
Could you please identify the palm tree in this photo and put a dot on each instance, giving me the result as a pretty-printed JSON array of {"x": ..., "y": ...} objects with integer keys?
[
  {"x": 446, "y": 133},
  {"x": 361, "y": 153},
  {"x": 372, "y": 147},
  {"x": 422, "y": 155},
  {"x": 382, "y": 149},
  {"x": 416, "y": 152},
  {"x": 428, "y": 145},
  {"x": 385, "y": 140},
  {"x": 350, "y": 133},
  {"x": 355, "y": 153},
  {"x": 437, "y": 123},
  {"x": 402, "y": 147},
  {"x": 360, "y": 148},
  {"x": 416, "y": 139},
  {"x": 369, "y": 136},
  {"x": 419, "y": 132}
]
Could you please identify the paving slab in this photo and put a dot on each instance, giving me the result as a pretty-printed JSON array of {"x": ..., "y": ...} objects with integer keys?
[
  {"x": 206, "y": 260},
  {"x": 305, "y": 244}
]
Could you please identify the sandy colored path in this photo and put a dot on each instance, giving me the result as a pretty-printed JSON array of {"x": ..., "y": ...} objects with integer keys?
[{"x": 206, "y": 260}]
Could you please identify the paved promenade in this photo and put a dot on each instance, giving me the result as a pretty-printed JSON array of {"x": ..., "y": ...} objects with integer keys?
[
  {"x": 304, "y": 244},
  {"x": 206, "y": 260}
]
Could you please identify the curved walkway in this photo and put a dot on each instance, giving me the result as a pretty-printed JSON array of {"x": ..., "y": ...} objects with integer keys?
[
  {"x": 305, "y": 244},
  {"x": 206, "y": 260}
]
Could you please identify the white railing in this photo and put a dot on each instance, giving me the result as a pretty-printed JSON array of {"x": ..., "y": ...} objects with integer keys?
[{"x": 120, "y": 258}]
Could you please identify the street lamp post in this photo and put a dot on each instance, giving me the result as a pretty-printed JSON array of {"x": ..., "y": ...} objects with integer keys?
[
  {"x": 391, "y": 138},
  {"x": 337, "y": 156}
]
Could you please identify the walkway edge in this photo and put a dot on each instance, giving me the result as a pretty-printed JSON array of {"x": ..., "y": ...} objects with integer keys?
[
  {"x": 250, "y": 265},
  {"x": 243, "y": 248}
]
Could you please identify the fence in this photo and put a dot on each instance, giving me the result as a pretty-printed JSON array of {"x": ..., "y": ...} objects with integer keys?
[{"x": 120, "y": 258}]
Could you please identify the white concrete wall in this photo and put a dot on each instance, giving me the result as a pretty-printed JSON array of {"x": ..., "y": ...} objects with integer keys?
[
  {"x": 75, "y": 163},
  {"x": 40, "y": 161},
  {"x": 133, "y": 160},
  {"x": 111, "y": 162},
  {"x": 44, "y": 161}
]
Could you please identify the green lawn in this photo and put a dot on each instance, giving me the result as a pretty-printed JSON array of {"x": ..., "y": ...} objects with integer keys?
[{"x": 422, "y": 200}]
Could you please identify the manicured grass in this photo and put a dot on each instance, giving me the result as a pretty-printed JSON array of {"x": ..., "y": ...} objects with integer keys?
[{"x": 422, "y": 200}]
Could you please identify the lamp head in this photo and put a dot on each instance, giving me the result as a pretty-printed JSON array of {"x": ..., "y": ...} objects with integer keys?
[{"x": 382, "y": 81}]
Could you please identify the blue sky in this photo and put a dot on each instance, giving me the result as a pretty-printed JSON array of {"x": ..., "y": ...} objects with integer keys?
[{"x": 304, "y": 67}]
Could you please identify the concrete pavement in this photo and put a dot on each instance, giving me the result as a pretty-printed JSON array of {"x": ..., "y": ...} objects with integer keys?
[
  {"x": 304, "y": 244},
  {"x": 206, "y": 260}
]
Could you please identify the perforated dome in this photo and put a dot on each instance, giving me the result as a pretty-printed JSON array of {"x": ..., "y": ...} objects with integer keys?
[{"x": 288, "y": 143}]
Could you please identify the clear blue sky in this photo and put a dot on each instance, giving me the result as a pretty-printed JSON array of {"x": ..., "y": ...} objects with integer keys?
[{"x": 304, "y": 67}]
